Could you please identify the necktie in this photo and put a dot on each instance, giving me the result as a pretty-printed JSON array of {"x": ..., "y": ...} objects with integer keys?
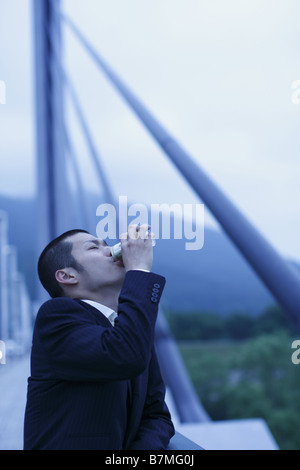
[{"x": 112, "y": 318}]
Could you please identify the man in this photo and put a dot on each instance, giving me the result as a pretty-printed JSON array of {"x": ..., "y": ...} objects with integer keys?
[{"x": 95, "y": 382}]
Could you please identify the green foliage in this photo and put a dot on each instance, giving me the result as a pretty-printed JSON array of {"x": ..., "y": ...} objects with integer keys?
[
  {"x": 249, "y": 379},
  {"x": 237, "y": 326},
  {"x": 241, "y": 367},
  {"x": 195, "y": 326}
]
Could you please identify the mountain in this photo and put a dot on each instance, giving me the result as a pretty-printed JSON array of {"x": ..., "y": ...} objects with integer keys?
[{"x": 215, "y": 278}]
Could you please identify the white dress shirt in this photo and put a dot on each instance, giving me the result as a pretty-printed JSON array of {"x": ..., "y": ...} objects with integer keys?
[{"x": 106, "y": 311}]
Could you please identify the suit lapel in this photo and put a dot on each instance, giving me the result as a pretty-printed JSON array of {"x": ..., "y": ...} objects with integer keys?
[{"x": 101, "y": 319}]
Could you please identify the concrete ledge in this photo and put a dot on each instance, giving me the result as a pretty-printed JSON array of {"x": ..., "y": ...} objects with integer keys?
[
  {"x": 248, "y": 434},
  {"x": 180, "y": 442}
]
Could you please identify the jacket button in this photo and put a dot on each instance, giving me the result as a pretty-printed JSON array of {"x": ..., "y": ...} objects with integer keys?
[{"x": 155, "y": 292}]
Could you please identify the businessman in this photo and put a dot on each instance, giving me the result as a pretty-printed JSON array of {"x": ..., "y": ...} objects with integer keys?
[{"x": 95, "y": 381}]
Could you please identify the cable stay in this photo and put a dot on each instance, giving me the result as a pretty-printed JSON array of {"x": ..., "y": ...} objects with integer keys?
[{"x": 279, "y": 277}]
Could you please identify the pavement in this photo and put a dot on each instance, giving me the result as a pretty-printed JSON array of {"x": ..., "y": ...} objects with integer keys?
[
  {"x": 236, "y": 435},
  {"x": 13, "y": 390}
]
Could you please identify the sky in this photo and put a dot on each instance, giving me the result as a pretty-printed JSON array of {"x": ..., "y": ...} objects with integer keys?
[{"x": 217, "y": 73}]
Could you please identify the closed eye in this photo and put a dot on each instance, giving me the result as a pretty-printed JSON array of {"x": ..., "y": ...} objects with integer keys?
[{"x": 95, "y": 244}]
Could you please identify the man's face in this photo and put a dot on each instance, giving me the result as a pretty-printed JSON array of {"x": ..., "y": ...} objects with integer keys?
[{"x": 94, "y": 256}]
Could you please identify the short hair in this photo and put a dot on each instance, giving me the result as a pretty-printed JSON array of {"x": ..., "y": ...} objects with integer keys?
[{"x": 57, "y": 255}]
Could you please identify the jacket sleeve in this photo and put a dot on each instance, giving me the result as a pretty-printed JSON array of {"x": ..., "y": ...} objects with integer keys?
[
  {"x": 77, "y": 348},
  {"x": 156, "y": 427}
]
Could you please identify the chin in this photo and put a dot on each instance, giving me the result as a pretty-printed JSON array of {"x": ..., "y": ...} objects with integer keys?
[{"x": 119, "y": 263}]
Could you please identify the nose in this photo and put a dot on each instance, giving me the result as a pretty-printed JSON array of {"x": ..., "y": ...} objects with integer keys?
[{"x": 107, "y": 251}]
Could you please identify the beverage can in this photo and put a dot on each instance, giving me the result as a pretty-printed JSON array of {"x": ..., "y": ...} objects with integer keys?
[{"x": 116, "y": 250}]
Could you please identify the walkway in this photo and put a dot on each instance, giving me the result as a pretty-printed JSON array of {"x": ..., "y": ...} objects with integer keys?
[
  {"x": 237, "y": 435},
  {"x": 13, "y": 388}
]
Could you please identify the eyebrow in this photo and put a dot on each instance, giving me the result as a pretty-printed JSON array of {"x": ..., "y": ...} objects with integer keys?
[{"x": 96, "y": 242}]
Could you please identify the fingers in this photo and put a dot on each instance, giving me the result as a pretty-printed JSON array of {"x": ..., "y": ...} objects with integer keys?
[
  {"x": 137, "y": 248},
  {"x": 136, "y": 231}
]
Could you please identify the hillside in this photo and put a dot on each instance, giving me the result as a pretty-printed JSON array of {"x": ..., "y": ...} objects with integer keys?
[{"x": 214, "y": 279}]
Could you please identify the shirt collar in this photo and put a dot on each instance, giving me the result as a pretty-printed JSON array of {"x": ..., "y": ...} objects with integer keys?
[{"x": 102, "y": 308}]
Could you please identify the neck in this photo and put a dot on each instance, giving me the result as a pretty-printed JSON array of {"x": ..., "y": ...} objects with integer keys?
[{"x": 109, "y": 298}]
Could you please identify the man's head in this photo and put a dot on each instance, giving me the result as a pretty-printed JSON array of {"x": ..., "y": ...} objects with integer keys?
[{"x": 78, "y": 265}]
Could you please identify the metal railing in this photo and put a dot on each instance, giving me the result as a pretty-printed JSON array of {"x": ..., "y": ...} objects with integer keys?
[{"x": 15, "y": 305}]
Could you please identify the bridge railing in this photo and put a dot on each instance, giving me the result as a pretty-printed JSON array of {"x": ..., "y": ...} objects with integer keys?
[{"x": 16, "y": 313}]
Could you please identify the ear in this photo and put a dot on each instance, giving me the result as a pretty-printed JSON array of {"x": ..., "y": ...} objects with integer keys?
[{"x": 66, "y": 276}]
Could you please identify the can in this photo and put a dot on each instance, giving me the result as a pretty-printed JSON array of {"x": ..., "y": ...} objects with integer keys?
[{"x": 116, "y": 250}]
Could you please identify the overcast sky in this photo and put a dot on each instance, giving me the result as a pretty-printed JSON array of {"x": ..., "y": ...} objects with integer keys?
[{"x": 217, "y": 74}]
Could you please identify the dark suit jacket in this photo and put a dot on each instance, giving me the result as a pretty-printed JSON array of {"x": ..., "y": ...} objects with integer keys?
[{"x": 94, "y": 386}]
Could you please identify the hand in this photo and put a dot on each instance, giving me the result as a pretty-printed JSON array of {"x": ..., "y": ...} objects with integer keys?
[{"x": 137, "y": 249}]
